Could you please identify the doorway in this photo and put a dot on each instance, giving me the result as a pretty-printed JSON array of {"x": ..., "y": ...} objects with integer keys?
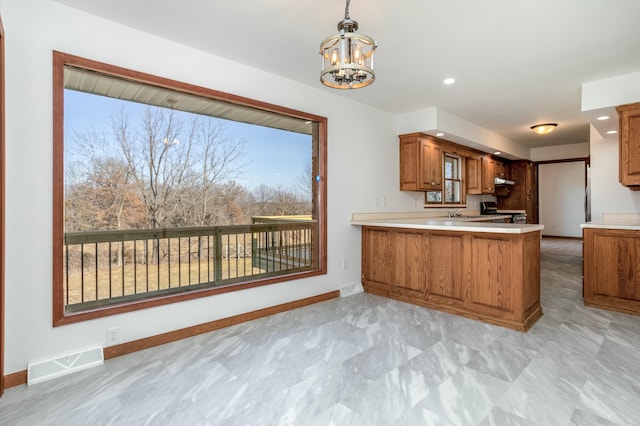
[{"x": 562, "y": 197}]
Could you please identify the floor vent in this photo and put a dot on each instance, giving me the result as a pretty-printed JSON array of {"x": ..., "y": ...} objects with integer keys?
[
  {"x": 50, "y": 369},
  {"x": 351, "y": 289}
]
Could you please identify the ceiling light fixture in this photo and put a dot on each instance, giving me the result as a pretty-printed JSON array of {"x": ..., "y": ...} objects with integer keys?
[
  {"x": 449, "y": 81},
  {"x": 543, "y": 129},
  {"x": 347, "y": 57}
]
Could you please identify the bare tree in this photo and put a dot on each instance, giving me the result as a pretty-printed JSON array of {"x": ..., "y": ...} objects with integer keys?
[
  {"x": 304, "y": 181},
  {"x": 158, "y": 158},
  {"x": 217, "y": 160}
]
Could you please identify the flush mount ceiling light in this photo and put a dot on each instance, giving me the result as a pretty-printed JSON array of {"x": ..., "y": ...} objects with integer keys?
[
  {"x": 543, "y": 129},
  {"x": 347, "y": 57}
]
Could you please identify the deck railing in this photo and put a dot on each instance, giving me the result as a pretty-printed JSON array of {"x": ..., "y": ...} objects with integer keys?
[{"x": 111, "y": 267}]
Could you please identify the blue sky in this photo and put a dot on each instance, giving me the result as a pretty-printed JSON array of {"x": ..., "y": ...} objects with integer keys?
[{"x": 273, "y": 157}]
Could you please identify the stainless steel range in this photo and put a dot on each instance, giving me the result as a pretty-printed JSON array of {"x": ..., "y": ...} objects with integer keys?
[{"x": 491, "y": 207}]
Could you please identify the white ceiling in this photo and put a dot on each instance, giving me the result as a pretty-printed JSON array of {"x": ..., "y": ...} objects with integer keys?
[{"x": 516, "y": 62}]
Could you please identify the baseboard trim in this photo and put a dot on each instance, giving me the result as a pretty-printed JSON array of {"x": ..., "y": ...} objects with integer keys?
[
  {"x": 559, "y": 237},
  {"x": 20, "y": 377},
  {"x": 15, "y": 379}
]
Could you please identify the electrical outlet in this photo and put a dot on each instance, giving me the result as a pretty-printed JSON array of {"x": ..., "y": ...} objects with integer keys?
[{"x": 113, "y": 336}]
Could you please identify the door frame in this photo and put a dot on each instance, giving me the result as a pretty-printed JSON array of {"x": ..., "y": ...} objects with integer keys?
[{"x": 2, "y": 206}]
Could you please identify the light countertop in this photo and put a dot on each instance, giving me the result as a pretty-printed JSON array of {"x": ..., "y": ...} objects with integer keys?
[
  {"x": 629, "y": 221},
  {"x": 443, "y": 223}
]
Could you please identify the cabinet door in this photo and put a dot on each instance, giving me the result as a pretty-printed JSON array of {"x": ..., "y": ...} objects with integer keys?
[
  {"x": 409, "y": 164},
  {"x": 491, "y": 288},
  {"x": 473, "y": 176},
  {"x": 409, "y": 262},
  {"x": 431, "y": 166},
  {"x": 616, "y": 268},
  {"x": 376, "y": 259},
  {"x": 501, "y": 169},
  {"x": 488, "y": 175},
  {"x": 445, "y": 275},
  {"x": 629, "y": 154}
]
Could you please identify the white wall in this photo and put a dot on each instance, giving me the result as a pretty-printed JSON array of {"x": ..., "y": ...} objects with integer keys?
[
  {"x": 607, "y": 194},
  {"x": 362, "y": 168},
  {"x": 560, "y": 152},
  {"x": 562, "y": 196}
]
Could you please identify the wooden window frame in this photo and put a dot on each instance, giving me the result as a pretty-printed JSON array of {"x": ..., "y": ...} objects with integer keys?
[
  {"x": 60, "y": 60},
  {"x": 459, "y": 169}
]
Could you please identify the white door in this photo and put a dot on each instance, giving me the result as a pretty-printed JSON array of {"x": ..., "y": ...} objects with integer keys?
[{"x": 561, "y": 198}]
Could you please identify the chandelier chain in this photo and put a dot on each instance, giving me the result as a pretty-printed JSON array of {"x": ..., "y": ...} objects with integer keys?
[{"x": 346, "y": 10}]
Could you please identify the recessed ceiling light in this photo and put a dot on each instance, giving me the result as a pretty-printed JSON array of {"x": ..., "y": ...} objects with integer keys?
[
  {"x": 449, "y": 81},
  {"x": 612, "y": 132},
  {"x": 440, "y": 134},
  {"x": 603, "y": 117},
  {"x": 497, "y": 153}
]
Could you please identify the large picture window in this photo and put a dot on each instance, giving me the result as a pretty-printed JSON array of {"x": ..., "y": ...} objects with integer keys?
[{"x": 165, "y": 191}]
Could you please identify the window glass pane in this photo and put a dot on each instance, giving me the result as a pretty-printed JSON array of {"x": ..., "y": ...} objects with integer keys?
[
  {"x": 452, "y": 191},
  {"x": 449, "y": 167},
  {"x": 434, "y": 197}
]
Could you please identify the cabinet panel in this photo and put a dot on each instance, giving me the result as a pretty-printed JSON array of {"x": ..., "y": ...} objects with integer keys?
[
  {"x": 501, "y": 169},
  {"x": 420, "y": 164},
  {"x": 491, "y": 285},
  {"x": 376, "y": 258},
  {"x": 616, "y": 273},
  {"x": 409, "y": 164},
  {"x": 446, "y": 281},
  {"x": 473, "y": 168},
  {"x": 488, "y": 175},
  {"x": 629, "y": 160},
  {"x": 611, "y": 268},
  {"x": 431, "y": 166},
  {"x": 409, "y": 251}
]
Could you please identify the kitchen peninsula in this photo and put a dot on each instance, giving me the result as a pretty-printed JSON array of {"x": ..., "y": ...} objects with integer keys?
[{"x": 484, "y": 271}]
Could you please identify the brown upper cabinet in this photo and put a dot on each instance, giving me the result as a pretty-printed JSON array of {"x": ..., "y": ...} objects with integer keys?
[
  {"x": 488, "y": 175},
  {"x": 473, "y": 169},
  {"x": 421, "y": 166},
  {"x": 420, "y": 163},
  {"x": 502, "y": 169},
  {"x": 629, "y": 163}
]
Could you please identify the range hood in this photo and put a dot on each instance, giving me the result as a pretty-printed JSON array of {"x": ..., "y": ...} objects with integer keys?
[{"x": 500, "y": 181}]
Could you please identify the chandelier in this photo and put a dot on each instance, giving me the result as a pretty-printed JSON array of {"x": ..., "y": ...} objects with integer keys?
[{"x": 347, "y": 57}]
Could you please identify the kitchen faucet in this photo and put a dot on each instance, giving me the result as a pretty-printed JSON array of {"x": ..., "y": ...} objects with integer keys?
[{"x": 455, "y": 213}]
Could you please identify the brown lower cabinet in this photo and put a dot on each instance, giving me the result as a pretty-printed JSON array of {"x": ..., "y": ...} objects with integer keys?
[
  {"x": 490, "y": 277},
  {"x": 611, "y": 269}
]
